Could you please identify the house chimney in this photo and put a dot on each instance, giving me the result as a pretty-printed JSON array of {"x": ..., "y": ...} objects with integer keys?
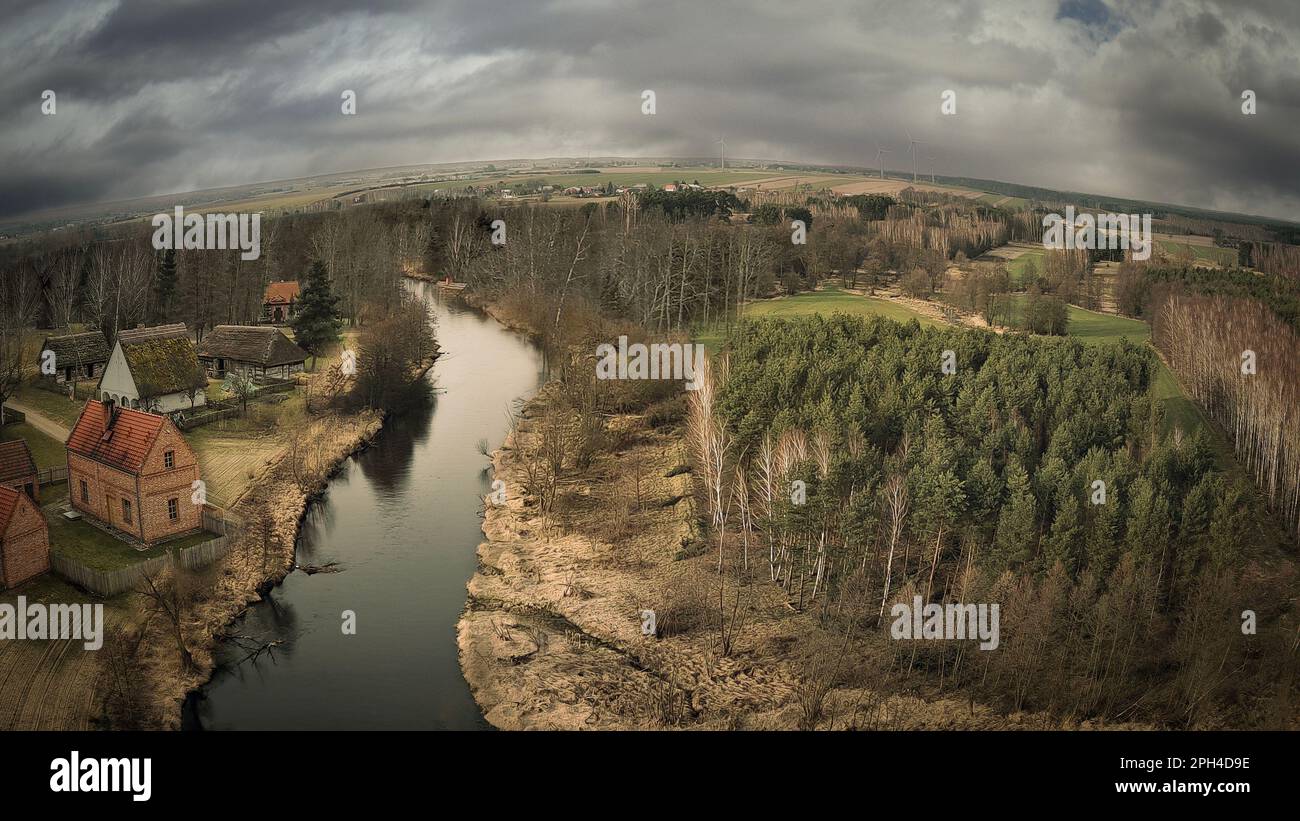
[{"x": 110, "y": 410}]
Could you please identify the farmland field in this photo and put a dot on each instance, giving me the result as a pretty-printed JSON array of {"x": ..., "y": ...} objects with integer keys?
[
  {"x": 663, "y": 176},
  {"x": 49, "y": 685},
  {"x": 892, "y": 185},
  {"x": 1003, "y": 201},
  {"x": 226, "y": 460},
  {"x": 1212, "y": 253}
]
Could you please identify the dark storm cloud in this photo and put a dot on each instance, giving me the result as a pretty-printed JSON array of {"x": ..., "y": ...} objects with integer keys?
[{"x": 1120, "y": 97}]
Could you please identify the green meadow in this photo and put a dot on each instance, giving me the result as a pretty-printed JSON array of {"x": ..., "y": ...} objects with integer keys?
[
  {"x": 1017, "y": 266},
  {"x": 825, "y": 302},
  {"x": 1213, "y": 253}
]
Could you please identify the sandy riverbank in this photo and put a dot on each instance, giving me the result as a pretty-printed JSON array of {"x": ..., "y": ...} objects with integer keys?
[
  {"x": 226, "y": 589},
  {"x": 551, "y": 634}
]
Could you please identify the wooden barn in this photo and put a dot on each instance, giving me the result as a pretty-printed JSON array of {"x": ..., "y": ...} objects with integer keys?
[
  {"x": 260, "y": 352},
  {"x": 76, "y": 357}
]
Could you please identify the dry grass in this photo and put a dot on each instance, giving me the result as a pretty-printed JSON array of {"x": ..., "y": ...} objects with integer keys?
[{"x": 599, "y": 671}]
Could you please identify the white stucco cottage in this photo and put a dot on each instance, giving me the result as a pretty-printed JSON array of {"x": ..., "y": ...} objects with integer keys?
[{"x": 155, "y": 369}]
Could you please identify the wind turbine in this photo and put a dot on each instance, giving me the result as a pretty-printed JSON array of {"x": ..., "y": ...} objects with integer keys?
[
  {"x": 881, "y": 152},
  {"x": 911, "y": 146},
  {"x": 724, "y": 152}
]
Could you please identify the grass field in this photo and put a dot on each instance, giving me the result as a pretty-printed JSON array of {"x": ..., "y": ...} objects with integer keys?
[
  {"x": 1003, "y": 201},
  {"x": 1092, "y": 327},
  {"x": 1018, "y": 265},
  {"x": 78, "y": 539},
  {"x": 57, "y": 407},
  {"x": 229, "y": 461},
  {"x": 1213, "y": 253},
  {"x": 826, "y": 302},
  {"x": 46, "y": 450},
  {"x": 1179, "y": 410},
  {"x": 1095, "y": 328}
]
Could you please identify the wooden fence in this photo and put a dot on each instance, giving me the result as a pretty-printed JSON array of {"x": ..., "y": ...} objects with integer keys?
[
  {"x": 227, "y": 408},
  {"x": 278, "y": 386},
  {"x": 112, "y": 582},
  {"x": 13, "y": 417},
  {"x": 190, "y": 419},
  {"x": 216, "y": 520},
  {"x": 56, "y": 473}
]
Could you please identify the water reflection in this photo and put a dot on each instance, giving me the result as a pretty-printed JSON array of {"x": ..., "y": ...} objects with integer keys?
[
  {"x": 388, "y": 462},
  {"x": 402, "y": 519}
]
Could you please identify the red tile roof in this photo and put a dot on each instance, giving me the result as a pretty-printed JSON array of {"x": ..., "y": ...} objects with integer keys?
[
  {"x": 15, "y": 460},
  {"x": 8, "y": 503},
  {"x": 281, "y": 293},
  {"x": 126, "y": 443}
]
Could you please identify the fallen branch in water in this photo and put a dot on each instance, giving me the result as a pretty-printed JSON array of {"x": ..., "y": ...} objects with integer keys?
[
  {"x": 255, "y": 647},
  {"x": 313, "y": 569}
]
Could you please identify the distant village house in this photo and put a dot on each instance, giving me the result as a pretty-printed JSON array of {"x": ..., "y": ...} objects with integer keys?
[
  {"x": 280, "y": 302},
  {"x": 155, "y": 369},
  {"x": 259, "y": 352},
  {"x": 18, "y": 468},
  {"x": 24, "y": 539},
  {"x": 132, "y": 471}
]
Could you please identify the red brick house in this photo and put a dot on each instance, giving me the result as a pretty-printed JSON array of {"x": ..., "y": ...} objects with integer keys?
[
  {"x": 24, "y": 539},
  {"x": 133, "y": 471},
  {"x": 18, "y": 468}
]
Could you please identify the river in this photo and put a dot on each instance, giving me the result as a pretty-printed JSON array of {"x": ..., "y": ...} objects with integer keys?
[{"x": 403, "y": 519}]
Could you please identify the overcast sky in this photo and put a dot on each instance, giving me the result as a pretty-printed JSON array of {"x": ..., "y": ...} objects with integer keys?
[{"x": 1138, "y": 99}]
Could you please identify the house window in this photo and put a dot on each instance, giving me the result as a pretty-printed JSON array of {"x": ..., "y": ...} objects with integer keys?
[
  {"x": 90, "y": 369},
  {"x": 173, "y": 511},
  {"x": 169, "y": 459},
  {"x": 85, "y": 492},
  {"x": 126, "y": 511},
  {"x": 67, "y": 374}
]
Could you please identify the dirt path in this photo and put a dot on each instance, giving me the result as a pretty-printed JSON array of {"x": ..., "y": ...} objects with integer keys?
[{"x": 44, "y": 424}]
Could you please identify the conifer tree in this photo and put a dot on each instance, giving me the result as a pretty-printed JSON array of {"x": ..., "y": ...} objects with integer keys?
[
  {"x": 316, "y": 325},
  {"x": 164, "y": 285}
]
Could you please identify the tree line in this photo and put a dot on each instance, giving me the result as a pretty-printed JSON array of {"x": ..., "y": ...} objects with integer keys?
[{"x": 1036, "y": 475}]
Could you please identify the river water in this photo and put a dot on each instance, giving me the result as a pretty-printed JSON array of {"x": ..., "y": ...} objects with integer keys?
[{"x": 403, "y": 520}]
